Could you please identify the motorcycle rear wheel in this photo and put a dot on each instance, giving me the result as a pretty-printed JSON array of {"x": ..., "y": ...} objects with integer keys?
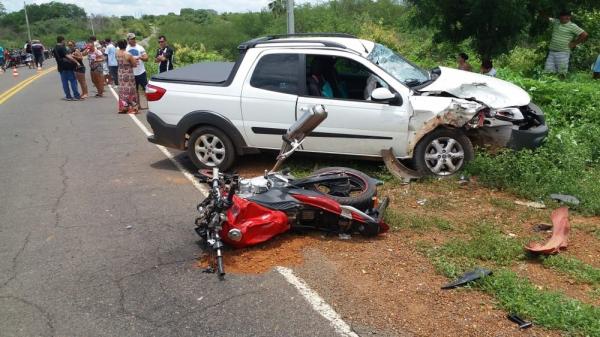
[{"x": 359, "y": 194}]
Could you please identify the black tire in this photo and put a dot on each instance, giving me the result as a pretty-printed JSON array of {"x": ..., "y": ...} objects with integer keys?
[
  {"x": 362, "y": 200},
  {"x": 216, "y": 145},
  {"x": 442, "y": 152}
]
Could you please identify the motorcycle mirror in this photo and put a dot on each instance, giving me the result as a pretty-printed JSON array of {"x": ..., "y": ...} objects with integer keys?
[{"x": 296, "y": 134}]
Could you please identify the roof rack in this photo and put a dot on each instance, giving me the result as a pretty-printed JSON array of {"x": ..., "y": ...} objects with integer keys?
[
  {"x": 272, "y": 39},
  {"x": 279, "y": 36}
]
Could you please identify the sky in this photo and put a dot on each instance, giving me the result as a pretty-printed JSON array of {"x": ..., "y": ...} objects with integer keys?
[{"x": 138, "y": 7}]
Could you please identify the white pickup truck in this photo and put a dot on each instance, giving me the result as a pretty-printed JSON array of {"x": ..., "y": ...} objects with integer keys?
[{"x": 376, "y": 100}]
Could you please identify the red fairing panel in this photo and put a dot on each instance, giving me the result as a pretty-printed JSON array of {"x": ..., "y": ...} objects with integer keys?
[{"x": 257, "y": 223}]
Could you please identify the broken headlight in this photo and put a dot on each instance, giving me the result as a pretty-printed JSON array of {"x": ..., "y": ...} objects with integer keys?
[{"x": 507, "y": 114}]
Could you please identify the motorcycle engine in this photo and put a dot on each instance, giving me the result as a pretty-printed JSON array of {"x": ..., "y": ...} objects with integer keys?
[{"x": 261, "y": 184}]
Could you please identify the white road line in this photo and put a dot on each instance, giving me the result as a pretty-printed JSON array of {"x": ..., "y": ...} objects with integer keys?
[
  {"x": 311, "y": 296},
  {"x": 317, "y": 303},
  {"x": 203, "y": 189}
]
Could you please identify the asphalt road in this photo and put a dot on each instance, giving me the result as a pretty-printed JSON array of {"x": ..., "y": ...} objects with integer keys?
[{"x": 96, "y": 233}]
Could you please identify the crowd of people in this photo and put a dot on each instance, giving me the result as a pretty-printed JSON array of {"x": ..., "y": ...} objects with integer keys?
[{"x": 120, "y": 66}]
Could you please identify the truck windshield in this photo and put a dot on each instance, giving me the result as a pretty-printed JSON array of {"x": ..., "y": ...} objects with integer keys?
[{"x": 397, "y": 66}]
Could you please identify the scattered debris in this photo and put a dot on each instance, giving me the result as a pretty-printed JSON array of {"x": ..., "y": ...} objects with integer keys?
[
  {"x": 532, "y": 204},
  {"x": 522, "y": 323},
  {"x": 542, "y": 227},
  {"x": 421, "y": 202},
  {"x": 560, "y": 232},
  {"x": 512, "y": 235},
  {"x": 343, "y": 236},
  {"x": 568, "y": 199},
  {"x": 129, "y": 227},
  {"x": 463, "y": 180},
  {"x": 468, "y": 277}
]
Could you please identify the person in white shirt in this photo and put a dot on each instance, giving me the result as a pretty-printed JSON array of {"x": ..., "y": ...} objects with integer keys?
[
  {"x": 487, "y": 68},
  {"x": 111, "y": 59},
  {"x": 139, "y": 53}
]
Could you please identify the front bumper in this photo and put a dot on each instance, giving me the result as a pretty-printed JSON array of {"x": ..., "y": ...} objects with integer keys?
[{"x": 164, "y": 134}]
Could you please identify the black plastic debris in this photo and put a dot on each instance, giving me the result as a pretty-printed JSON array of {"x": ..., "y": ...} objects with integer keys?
[
  {"x": 542, "y": 227},
  {"x": 468, "y": 277},
  {"x": 521, "y": 322},
  {"x": 565, "y": 198}
]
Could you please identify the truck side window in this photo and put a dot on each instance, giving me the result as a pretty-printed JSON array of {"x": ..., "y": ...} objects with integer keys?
[
  {"x": 340, "y": 78},
  {"x": 277, "y": 72}
]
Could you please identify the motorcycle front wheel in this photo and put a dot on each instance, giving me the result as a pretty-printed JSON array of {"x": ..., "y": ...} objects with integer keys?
[{"x": 358, "y": 192}]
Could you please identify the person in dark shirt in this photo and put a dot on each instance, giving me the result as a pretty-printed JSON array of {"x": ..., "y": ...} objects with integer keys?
[
  {"x": 38, "y": 53},
  {"x": 164, "y": 55},
  {"x": 66, "y": 65}
]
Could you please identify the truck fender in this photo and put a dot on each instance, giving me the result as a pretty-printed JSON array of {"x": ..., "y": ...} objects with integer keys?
[{"x": 198, "y": 118}]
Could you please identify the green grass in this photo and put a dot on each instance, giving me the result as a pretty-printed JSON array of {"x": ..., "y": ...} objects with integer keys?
[
  {"x": 503, "y": 203},
  {"x": 574, "y": 268},
  {"x": 420, "y": 223},
  {"x": 486, "y": 244},
  {"x": 550, "y": 309}
]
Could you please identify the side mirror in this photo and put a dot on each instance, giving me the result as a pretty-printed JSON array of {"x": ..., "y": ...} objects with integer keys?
[{"x": 385, "y": 95}]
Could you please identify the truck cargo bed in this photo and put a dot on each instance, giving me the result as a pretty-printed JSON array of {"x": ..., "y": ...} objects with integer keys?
[{"x": 204, "y": 73}]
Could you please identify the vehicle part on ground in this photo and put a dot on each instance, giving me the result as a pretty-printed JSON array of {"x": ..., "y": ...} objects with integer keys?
[
  {"x": 468, "y": 277},
  {"x": 443, "y": 152},
  {"x": 521, "y": 322},
  {"x": 542, "y": 227},
  {"x": 397, "y": 169},
  {"x": 356, "y": 189},
  {"x": 274, "y": 203},
  {"x": 209, "y": 147},
  {"x": 565, "y": 198},
  {"x": 532, "y": 204},
  {"x": 560, "y": 234}
]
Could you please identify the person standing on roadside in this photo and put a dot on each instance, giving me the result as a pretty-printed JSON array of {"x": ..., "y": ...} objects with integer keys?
[
  {"x": 66, "y": 64},
  {"x": 164, "y": 55},
  {"x": 128, "y": 99},
  {"x": 28, "y": 55},
  {"x": 111, "y": 58},
  {"x": 463, "y": 62},
  {"x": 139, "y": 54},
  {"x": 1, "y": 58},
  {"x": 80, "y": 70},
  {"x": 96, "y": 58},
  {"x": 37, "y": 48},
  {"x": 565, "y": 36}
]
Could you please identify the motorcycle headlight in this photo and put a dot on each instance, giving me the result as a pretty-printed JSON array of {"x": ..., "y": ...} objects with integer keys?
[
  {"x": 234, "y": 234},
  {"x": 508, "y": 114}
]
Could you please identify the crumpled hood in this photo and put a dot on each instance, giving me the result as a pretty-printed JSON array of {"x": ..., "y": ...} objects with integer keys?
[{"x": 491, "y": 91}]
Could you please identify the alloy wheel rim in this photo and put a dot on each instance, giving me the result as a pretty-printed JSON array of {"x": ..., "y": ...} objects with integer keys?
[
  {"x": 444, "y": 156},
  {"x": 209, "y": 150}
]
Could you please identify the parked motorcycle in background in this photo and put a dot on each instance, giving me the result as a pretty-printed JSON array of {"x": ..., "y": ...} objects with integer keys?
[{"x": 245, "y": 212}]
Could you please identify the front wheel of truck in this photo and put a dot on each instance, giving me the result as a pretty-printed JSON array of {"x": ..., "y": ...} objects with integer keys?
[{"x": 209, "y": 147}]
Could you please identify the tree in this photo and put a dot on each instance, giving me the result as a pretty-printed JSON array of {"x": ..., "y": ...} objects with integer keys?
[
  {"x": 493, "y": 25},
  {"x": 2, "y": 9},
  {"x": 277, "y": 7}
]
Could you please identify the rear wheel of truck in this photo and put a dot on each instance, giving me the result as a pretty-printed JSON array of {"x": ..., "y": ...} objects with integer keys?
[
  {"x": 443, "y": 152},
  {"x": 209, "y": 147}
]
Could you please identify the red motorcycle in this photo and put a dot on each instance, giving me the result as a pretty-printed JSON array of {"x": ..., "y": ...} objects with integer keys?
[{"x": 245, "y": 212}]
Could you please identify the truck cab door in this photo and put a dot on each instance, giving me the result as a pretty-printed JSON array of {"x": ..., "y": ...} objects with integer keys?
[
  {"x": 269, "y": 97},
  {"x": 356, "y": 124}
]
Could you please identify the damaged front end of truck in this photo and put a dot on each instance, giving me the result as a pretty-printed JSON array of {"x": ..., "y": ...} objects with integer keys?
[{"x": 492, "y": 113}]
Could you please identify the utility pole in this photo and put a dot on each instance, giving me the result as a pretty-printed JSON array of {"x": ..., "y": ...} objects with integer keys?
[
  {"x": 290, "y": 16},
  {"x": 92, "y": 24},
  {"x": 27, "y": 21}
]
